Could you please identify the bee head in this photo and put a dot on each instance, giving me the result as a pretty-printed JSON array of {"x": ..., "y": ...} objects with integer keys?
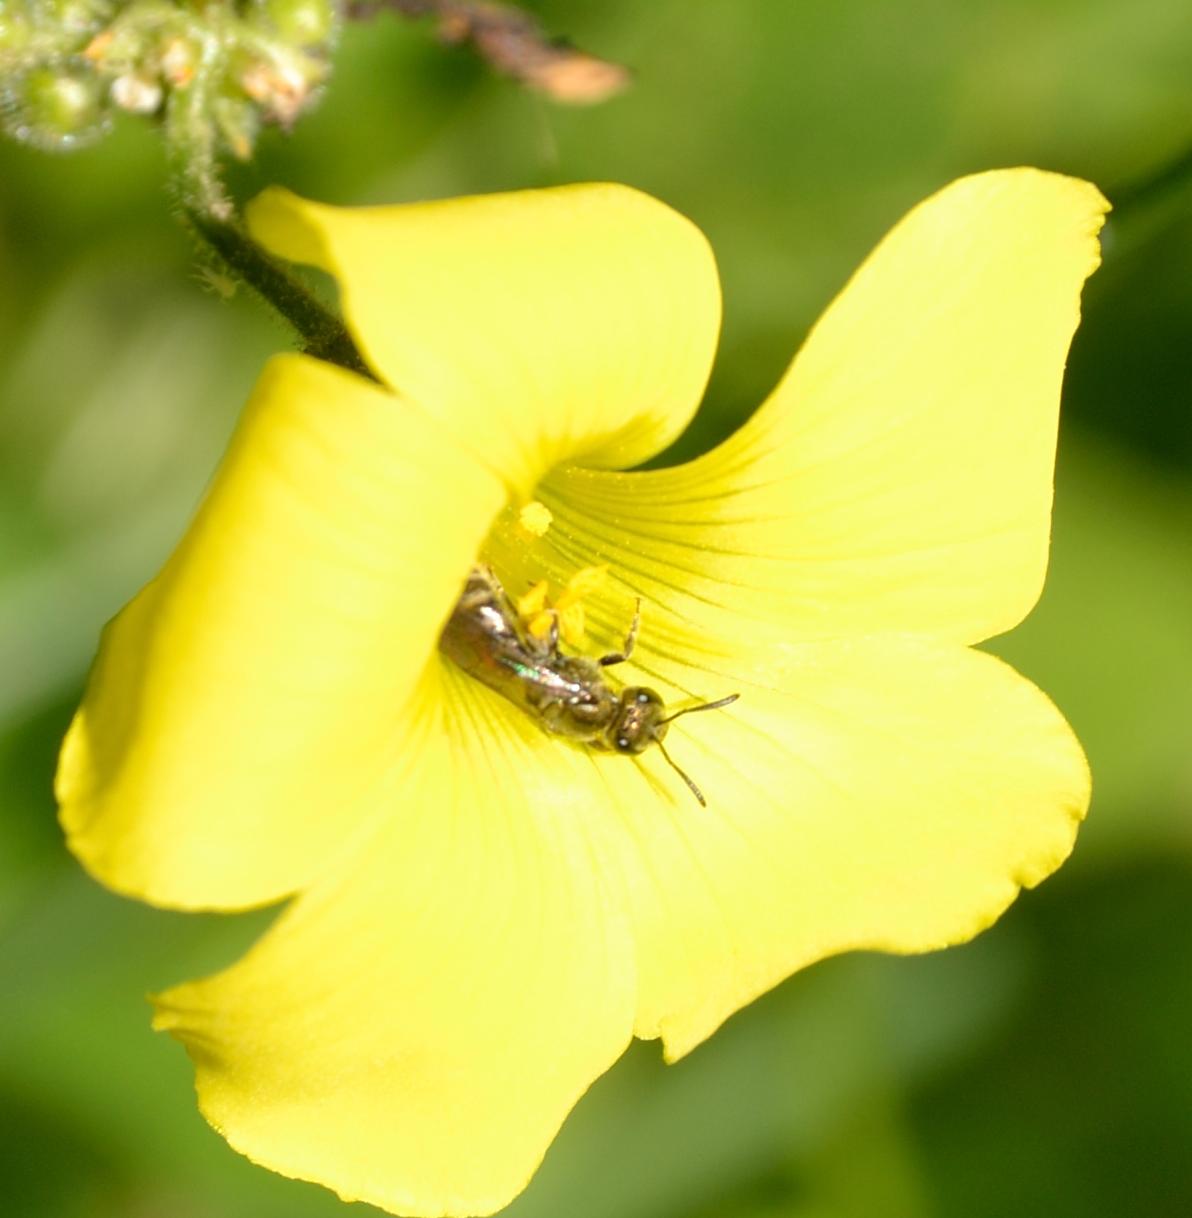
[{"x": 639, "y": 721}]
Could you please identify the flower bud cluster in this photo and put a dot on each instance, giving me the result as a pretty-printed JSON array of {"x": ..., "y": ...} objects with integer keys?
[{"x": 214, "y": 71}]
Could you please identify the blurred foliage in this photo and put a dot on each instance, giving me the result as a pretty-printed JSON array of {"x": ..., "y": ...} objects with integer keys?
[{"x": 1044, "y": 1069}]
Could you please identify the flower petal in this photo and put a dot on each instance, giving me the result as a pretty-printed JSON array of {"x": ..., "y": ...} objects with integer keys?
[
  {"x": 888, "y": 794},
  {"x": 576, "y": 323},
  {"x": 900, "y": 476},
  {"x": 415, "y": 1028},
  {"x": 244, "y": 706}
]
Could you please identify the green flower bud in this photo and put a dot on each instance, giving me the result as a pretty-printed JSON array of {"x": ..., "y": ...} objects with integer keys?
[
  {"x": 80, "y": 16},
  {"x": 211, "y": 72},
  {"x": 56, "y": 107},
  {"x": 136, "y": 94},
  {"x": 302, "y": 23},
  {"x": 281, "y": 85},
  {"x": 16, "y": 34}
]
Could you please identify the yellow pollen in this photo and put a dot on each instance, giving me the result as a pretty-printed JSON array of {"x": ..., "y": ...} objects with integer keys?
[
  {"x": 535, "y": 518},
  {"x": 539, "y": 612}
]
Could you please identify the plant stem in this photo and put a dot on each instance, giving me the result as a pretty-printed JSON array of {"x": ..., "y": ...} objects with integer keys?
[
  {"x": 323, "y": 334},
  {"x": 208, "y": 209}
]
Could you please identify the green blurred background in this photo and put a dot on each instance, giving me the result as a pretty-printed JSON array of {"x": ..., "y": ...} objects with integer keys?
[{"x": 1045, "y": 1069}]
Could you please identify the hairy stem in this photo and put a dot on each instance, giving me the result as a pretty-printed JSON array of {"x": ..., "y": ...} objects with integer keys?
[{"x": 323, "y": 334}]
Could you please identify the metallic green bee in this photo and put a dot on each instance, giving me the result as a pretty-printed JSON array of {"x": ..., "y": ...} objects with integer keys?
[{"x": 569, "y": 695}]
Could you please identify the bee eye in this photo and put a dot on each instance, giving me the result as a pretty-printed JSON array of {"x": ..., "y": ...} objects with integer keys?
[
  {"x": 643, "y": 697},
  {"x": 622, "y": 742}
]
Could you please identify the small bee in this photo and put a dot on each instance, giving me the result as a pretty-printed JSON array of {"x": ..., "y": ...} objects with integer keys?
[{"x": 569, "y": 695}]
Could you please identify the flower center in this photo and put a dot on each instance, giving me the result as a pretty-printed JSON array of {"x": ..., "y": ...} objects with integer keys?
[{"x": 539, "y": 613}]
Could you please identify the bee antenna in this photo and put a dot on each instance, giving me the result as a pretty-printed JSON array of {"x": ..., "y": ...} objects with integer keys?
[
  {"x": 683, "y": 773},
  {"x": 703, "y": 706}
]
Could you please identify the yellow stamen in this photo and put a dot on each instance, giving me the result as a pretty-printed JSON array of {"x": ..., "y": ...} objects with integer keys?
[
  {"x": 532, "y": 603},
  {"x": 573, "y": 625},
  {"x": 584, "y": 582},
  {"x": 535, "y": 518},
  {"x": 540, "y": 625},
  {"x": 539, "y": 612}
]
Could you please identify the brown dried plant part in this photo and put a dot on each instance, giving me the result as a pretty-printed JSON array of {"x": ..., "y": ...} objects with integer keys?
[{"x": 513, "y": 43}]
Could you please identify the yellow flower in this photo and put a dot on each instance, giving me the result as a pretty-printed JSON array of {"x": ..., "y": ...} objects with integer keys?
[{"x": 483, "y": 914}]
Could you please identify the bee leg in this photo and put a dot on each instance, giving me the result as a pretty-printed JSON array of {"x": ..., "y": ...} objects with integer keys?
[
  {"x": 619, "y": 657},
  {"x": 482, "y": 586}
]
